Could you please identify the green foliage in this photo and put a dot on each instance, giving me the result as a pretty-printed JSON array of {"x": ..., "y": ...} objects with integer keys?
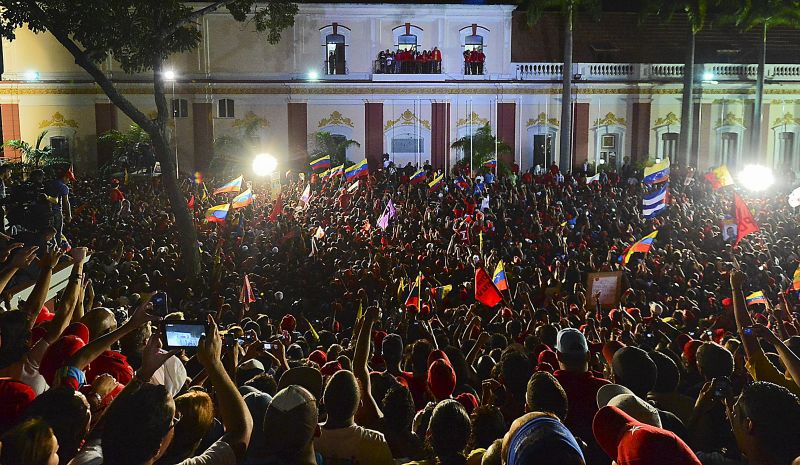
[
  {"x": 35, "y": 156},
  {"x": 136, "y": 33},
  {"x": 535, "y": 9},
  {"x": 326, "y": 143},
  {"x": 748, "y": 14},
  {"x": 481, "y": 148},
  {"x": 126, "y": 144}
]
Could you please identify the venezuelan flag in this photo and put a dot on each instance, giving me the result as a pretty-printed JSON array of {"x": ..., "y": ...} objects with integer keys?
[
  {"x": 233, "y": 186},
  {"x": 413, "y": 297},
  {"x": 356, "y": 171},
  {"x": 242, "y": 200},
  {"x": 417, "y": 177},
  {"x": 642, "y": 245},
  {"x": 441, "y": 292},
  {"x": 796, "y": 279},
  {"x": 321, "y": 163},
  {"x": 217, "y": 214},
  {"x": 756, "y": 298},
  {"x": 657, "y": 173},
  {"x": 437, "y": 181},
  {"x": 499, "y": 277},
  {"x": 490, "y": 164}
]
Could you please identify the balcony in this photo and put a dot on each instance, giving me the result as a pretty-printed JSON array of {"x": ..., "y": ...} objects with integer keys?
[{"x": 643, "y": 72}]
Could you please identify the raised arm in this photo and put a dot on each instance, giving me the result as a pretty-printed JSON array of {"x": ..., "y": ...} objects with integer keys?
[
  {"x": 368, "y": 412},
  {"x": 20, "y": 258},
  {"x": 234, "y": 413},
  {"x": 39, "y": 293},
  {"x": 743, "y": 320},
  {"x": 66, "y": 307},
  {"x": 789, "y": 358}
]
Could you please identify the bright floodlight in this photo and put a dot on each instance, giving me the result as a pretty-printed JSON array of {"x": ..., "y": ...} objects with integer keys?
[
  {"x": 169, "y": 75},
  {"x": 707, "y": 76},
  {"x": 31, "y": 75},
  {"x": 264, "y": 164},
  {"x": 313, "y": 75},
  {"x": 756, "y": 178}
]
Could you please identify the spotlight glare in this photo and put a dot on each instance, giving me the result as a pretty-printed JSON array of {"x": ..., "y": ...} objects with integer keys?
[
  {"x": 169, "y": 75},
  {"x": 756, "y": 178},
  {"x": 31, "y": 75},
  {"x": 708, "y": 76},
  {"x": 313, "y": 75},
  {"x": 264, "y": 164}
]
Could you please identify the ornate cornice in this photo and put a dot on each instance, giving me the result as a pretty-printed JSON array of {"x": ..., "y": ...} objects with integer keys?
[
  {"x": 730, "y": 119},
  {"x": 407, "y": 118},
  {"x": 58, "y": 121},
  {"x": 670, "y": 119},
  {"x": 610, "y": 120},
  {"x": 472, "y": 120},
  {"x": 541, "y": 120},
  {"x": 335, "y": 119}
]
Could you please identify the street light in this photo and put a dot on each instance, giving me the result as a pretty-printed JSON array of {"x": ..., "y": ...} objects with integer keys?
[
  {"x": 313, "y": 76},
  {"x": 169, "y": 75},
  {"x": 264, "y": 164},
  {"x": 756, "y": 178},
  {"x": 708, "y": 76},
  {"x": 31, "y": 75}
]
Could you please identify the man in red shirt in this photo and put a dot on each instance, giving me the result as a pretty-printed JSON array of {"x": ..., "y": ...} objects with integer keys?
[{"x": 581, "y": 387}]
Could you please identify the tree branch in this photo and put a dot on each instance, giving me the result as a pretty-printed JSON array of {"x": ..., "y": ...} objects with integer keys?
[
  {"x": 82, "y": 60},
  {"x": 195, "y": 15}
]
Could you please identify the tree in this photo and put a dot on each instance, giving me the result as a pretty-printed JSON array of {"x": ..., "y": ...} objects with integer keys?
[
  {"x": 128, "y": 147},
  {"x": 140, "y": 35},
  {"x": 568, "y": 9},
  {"x": 35, "y": 156},
  {"x": 697, "y": 16},
  {"x": 480, "y": 148},
  {"x": 326, "y": 143},
  {"x": 762, "y": 15}
]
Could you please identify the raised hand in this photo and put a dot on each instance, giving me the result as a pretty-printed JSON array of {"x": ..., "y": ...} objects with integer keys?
[{"x": 22, "y": 258}]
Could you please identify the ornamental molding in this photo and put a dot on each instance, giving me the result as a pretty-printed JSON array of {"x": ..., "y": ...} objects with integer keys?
[
  {"x": 58, "y": 121},
  {"x": 730, "y": 119},
  {"x": 541, "y": 120},
  {"x": 786, "y": 120},
  {"x": 473, "y": 119},
  {"x": 250, "y": 120},
  {"x": 670, "y": 119},
  {"x": 407, "y": 118},
  {"x": 335, "y": 119},
  {"x": 610, "y": 120}
]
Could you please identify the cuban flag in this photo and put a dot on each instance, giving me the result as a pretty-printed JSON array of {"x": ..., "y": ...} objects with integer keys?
[{"x": 655, "y": 202}]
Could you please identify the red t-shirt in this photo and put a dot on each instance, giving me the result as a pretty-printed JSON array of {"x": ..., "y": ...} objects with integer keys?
[
  {"x": 581, "y": 389},
  {"x": 117, "y": 195},
  {"x": 417, "y": 386}
]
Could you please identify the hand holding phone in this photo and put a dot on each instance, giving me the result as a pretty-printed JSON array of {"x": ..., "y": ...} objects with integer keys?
[
  {"x": 160, "y": 306},
  {"x": 183, "y": 334}
]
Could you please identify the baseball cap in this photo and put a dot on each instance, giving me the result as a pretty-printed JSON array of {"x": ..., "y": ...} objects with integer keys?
[
  {"x": 540, "y": 434},
  {"x": 307, "y": 377},
  {"x": 571, "y": 341},
  {"x": 631, "y": 442},
  {"x": 624, "y": 399},
  {"x": 290, "y": 420}
]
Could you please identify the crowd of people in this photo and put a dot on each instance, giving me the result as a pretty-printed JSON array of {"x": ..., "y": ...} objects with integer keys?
[
  {"x": 332, "y": 338},
  {"x": 409, "y": 61},
  {"x": 473, "y": 61}
]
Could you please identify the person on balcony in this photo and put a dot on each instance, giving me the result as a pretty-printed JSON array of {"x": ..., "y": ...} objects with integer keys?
[
  {"x": 437, "y": 60},
  {"x": 480, "y": 59},
  {"x": 382, "y": 61},
  {"x": 331, "y": 63},
  {"x": 467, "y": 62}
]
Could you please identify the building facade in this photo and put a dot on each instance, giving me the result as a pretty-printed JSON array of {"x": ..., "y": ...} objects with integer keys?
[{"x": 328, "y": 74}]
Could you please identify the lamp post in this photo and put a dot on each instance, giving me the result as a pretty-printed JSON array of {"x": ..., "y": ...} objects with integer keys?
[{"x": 170, "y": 76}]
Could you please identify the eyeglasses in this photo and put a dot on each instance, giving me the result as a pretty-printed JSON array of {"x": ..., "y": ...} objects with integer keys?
[{"x": 175, "y": 420}]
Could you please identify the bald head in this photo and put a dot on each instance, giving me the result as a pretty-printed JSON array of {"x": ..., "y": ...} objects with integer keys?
[{"x": 100, "y": 321}]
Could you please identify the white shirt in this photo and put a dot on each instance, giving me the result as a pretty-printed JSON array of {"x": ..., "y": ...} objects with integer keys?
[
  {"x": 354, "y": 444},
  {"x": 27, "y": 369}
]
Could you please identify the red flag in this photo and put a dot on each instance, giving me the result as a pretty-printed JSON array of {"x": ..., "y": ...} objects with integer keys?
[
  {"x": 246, "y": 296},
  {"x": 745, "y": 222},
  {"x": 277, "y": 209},
  {"x": 71, "y": 174},
  {"x": 712, "y": 178},
  {"x": 190, "y": 202},
  {"x": 485, "y": 290}
]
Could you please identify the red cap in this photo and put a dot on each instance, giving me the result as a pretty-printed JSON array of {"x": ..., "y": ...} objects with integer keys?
[
  {"x": 468, "y": 400},
  {"x": 319, "y": 357},
  {"x": 113, "y": 363},
  {"x": 330, "y": 368},
  {"x": 44, "y": 315},
  {"x": 437, "y": 354},
  {"x": 719, "y": 333},
  {"x": 78, "y": 329},
  {"x": 441, "y": 379},
  {"x": 727, "y": 302},
  {"x": 630, "y": 442},
  {"x": 15, "y": 396},
  {"x": 288, "y": 323},
  {"x": 377, "y": 338},
  {"x": 548, "y": 356},
  {"x": 690, "y": 350},
  {"x": 57, "y": 355}
]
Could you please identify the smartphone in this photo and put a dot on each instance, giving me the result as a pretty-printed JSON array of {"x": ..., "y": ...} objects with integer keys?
[
  {"x": 748, "y": 331},
  {"x": 723, "y": 387},
  {"x": 183, "y": 334},
  {"x": 160, "y": 307},
  {"x": 268, "y": 346}
]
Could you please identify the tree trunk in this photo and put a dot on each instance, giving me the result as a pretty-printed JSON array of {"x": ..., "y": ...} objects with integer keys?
[
  {"x": 565, "y": 149},
  {"x": 187, "y": 234},
  {"x": 687, "y": 103},
  {"x": 755, "y": 140}
]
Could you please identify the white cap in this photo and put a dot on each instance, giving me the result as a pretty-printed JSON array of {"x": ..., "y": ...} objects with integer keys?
[
  {"x": 571, "y": 341},
  {"x": 625, "y": 400}
]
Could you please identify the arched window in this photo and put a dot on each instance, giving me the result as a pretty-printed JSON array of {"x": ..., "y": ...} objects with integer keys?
[
  {"x": 473, "y": 41},
  {"x": 407, "y": 42},
  {"x": 335, "y": 40}
]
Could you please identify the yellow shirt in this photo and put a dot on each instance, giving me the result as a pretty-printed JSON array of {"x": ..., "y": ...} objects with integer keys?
[{"x": 761, "y": 369}]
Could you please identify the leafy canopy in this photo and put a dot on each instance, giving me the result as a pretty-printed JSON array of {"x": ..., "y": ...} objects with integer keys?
[{"x": 137, "y": 32}]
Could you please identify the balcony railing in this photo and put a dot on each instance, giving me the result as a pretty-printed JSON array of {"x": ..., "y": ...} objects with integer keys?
[
  {"x": 616, "y": 72},
  {"x": 332, "y": 68}
]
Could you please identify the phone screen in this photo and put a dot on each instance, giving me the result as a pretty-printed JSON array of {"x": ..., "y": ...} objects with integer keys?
[
  {"x": 160, "y": 307},
  {"x": 183, "y": 334}
]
